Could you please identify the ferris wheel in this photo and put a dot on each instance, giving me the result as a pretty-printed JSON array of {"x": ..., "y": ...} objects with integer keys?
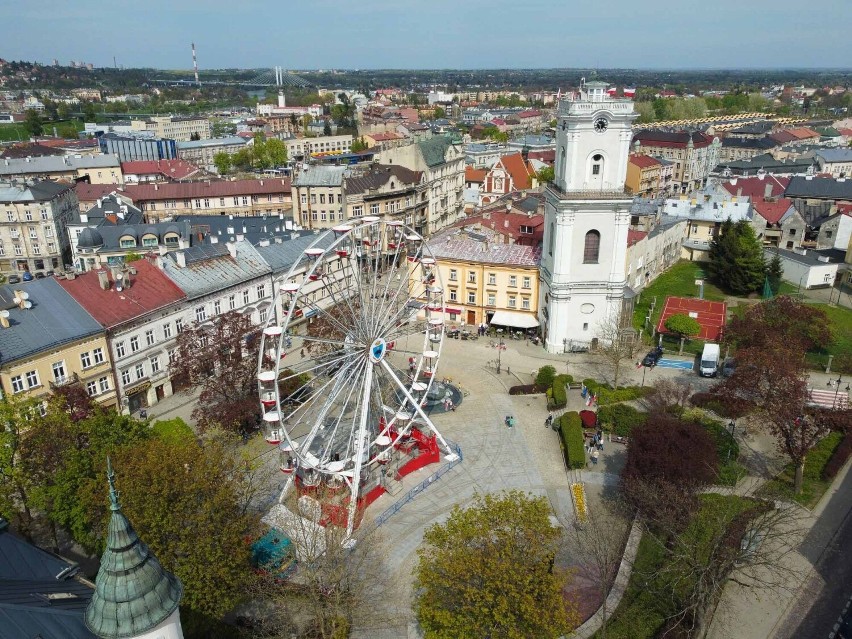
[{"x": 344, "y": 399}]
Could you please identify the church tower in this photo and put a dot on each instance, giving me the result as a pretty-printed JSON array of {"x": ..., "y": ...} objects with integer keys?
[
  {"x": 587, "y": 214},
  {"x": 134, "y": 597}
]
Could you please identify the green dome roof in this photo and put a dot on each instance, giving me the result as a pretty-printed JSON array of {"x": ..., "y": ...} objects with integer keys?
[{"x": 133, "y": 594}]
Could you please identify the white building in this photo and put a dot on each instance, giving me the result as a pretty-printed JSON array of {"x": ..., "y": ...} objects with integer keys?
[
  {"x": 587, "y": 215},
  {"x": 805, "y": 269}
]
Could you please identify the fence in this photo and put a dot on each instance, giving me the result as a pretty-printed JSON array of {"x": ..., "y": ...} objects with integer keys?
[{"x": 416, "y": 490}]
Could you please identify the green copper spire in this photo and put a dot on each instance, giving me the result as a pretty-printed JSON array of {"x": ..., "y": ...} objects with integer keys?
[{"x": 133, "y": 594}]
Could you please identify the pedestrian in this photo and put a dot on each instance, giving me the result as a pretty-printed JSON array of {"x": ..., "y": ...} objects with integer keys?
[
  {"x": 302, "y": 353},
  {"x": 595, "y": 455},
  {"x": 549, "y": 421},
  {"x": 452, "y": 405}
]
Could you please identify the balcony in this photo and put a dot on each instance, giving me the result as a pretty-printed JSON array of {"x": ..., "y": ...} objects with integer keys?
[
  {"x": 64, "y": 381},
  {"x": 589, "y": 194},
  {"x": 614, "y": 106}
]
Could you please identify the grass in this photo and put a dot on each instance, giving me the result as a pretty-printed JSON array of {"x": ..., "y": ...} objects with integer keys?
[
  {"x": 13, "y": 133},
  {"x": 643, "y": 611},
  {"x": 813, "y": 486},
  {"x": 840, "y": 322}
]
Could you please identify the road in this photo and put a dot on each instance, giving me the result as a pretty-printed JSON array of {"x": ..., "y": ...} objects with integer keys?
[{"x": 831, "y": 585}]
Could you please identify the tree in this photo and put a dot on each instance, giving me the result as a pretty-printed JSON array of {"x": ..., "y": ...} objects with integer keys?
[
  {"x": 736, "y": 258},
  {"x": 544, "y": 377},
  {"x": 617, "y": 343},
  {"x": 63, "y": 111},
  {"x": 326, "y": 128},
  {"x": 439, "y": 113},
  {"x": 89, "y": 112},
  {"x": 195, "y": 136},
  {"x": 683, "y": 325},
  {"x": 780, "y": 320},
  {"x": 221, "y": 359},
  {"x": 774, "y": 272},
  {"x": 185, "y": 500},
  {"x": 358, "y": 145},
  {"x": 489, "y": 572},
  {"x": 33, "y": 123},
  {"x": 545, "y": 175},
  {"x": 222, "y": 161}
]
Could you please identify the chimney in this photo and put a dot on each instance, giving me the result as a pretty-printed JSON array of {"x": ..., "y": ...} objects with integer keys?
[
  {"x": 278, "y": 240},
  {"x": 232, "y": 249},
  {"x": 180, "y": 258},
  {"x": 767, "y": 192},
  {"x": 264, "y": 242},
  {"x": 156, "y": 187},
  {"x": 739, "y": 191},
  {"x": 505, "y": 224},
  {"x": 214, "y": 239},
  {"x": 99, "y": 203},
  {"x": 103, "y": 278}
]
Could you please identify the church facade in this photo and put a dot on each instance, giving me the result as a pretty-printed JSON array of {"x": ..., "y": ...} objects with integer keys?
[{"x": 587, "y": 214}]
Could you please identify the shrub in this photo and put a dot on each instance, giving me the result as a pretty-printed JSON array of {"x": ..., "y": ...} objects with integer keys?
[
  {"x": 571, "y": 429},
  {"x": 527, "y": 389},
  {"x": 606, "y": 395},
  {"x": 729, "y": 408},
  {"x": 620, "y": 419},
  {"x": 838, "y": 458},
  {"x": 545, "y": 376}
]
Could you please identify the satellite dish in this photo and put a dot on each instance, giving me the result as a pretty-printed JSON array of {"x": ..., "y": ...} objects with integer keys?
[{"x": 4, "y": 314}]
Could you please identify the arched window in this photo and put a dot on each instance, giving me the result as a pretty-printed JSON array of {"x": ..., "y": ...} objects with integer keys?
[
  {"x": 592, "y": 247},
  {"x": 597, "y": 163}
]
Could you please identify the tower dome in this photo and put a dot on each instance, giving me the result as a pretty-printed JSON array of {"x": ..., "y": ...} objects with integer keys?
[{"x": 90, "y": 239}]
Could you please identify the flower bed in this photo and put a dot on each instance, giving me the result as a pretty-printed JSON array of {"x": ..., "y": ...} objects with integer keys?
[{"x": 579, "y": 492}]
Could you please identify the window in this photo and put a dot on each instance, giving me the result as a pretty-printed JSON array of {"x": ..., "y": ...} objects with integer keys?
[
  {"x": 454, "y": 296},
  {"x": 149, "y": 337},
  {"x": 36, "y": 249},
  {"x": 586, "y": 326},
  {"x": 313, "y": 198},
  {"x": 492, "y": 299},
  {"x": 527, "y": 281},
  {"x": 167, "y": 330},
  {"x": 10, "y": 216},
  {"x": 103, "y": 384},
  {"x": 471, "y": 277},
  {"x": 246, "y": 297},
  {"x": 374, "y": 209},
  {"x": 58, "y": 371},
  {"x": 207, "y": 203},
  {"x": 322, "y": 198},
  {"x": 471, "y": 297},
  {"x": 492, "y": 279},
  {"x": 261, "y": 291},
  {"x": 33, "y": 233},
  {"x": 527, "y": 230},
  {"x": 179, "y": 325},
  {"x": 262, "y": 315},
  {"x": 127, "y": 242},
  {"x": 28, "y": 215},
  {"x": 232, "y": 302},
  {"x": 85, "y": 359},
  {"x": 357, "y": 210},
  {"x": 140, "y": 370},
  {"x": 119, "y": 349},
  {"x": 200, "y": 314},
  {"x": 792, "y": 232},
  {"x": 155, "y": 364},
  {"x": 513, "y": 280},
  {"x": 17, "y": 384},
  {"x": 454, "y": 276},
  {"x": 592, "y": 247},
  {"x": 695, "y": 228},
  {"x": 525, "y": 303},
  {"x": 134, "y": 344},
  {"x": 48, "y": 231},
  {"x": 92, "y": 388},
  {"x": 304, "y": 198},
  {"x": 172, "y": 355},
  {"x": 125, "y": 377},
  {"x": 217, "y": 307},
  {"x": 245, "y": 200},
  {"x": 32, "y": 379},
  {"x": 513, "y": 301}
]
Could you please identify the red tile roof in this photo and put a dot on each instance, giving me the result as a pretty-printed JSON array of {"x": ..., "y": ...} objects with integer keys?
[
  {"x": 175, "y": 169},
  {"x": 520, "y": 170},
  {"x": 509, "y": 223},
  {"x": 90, "y": 192},
  {"x": 208, "y": 188},
  {"x": 771, "y": 210},
  {"x": 474, "y": 175},
  {"x": 548, "y": 156},
  {"x": 756, "y": 187},
  {"x": 644, "y": 161},
  {"x": 150, "y": 290},
  {"x": 635, "y": 236},
  {"x": 672, "y": 139},
  {"x": 384, "y": 137}
]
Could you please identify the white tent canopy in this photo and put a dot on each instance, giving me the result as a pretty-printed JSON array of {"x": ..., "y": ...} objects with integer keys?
[{"x": 515, "y": 320}]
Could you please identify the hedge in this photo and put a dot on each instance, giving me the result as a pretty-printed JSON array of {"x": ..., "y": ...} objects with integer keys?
[
  {"x": 838, "y": 458},
  {"x": 545, "y": 376},
  {"x": 527, "y": 389},
  {"x": 560, "y": 395},
  {"x": 620, "y": 419},
  {"x": 729, "y": 408},
  {"x": 571, "y": 429},
  {"x": 606, "y": 395}
]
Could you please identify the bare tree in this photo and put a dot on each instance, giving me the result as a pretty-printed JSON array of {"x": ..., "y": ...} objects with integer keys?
[
  {"x": 668, "y": 397},
  {"x": 617, "y": 343}
]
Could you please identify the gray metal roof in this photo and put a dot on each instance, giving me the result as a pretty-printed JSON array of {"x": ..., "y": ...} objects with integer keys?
[
  {"x": 835, "y": 155},
  {"x": 211, "y": 268},
  {"x": 810, "y": 258},
  {"x": 435, "y": 149},
  {"x": 281, "y": 257},
  {"x": 320, "y": 175},
  {"x": 54, "y": 319},
  {"x": 821, "y": 188},
  {"x": 111, "y": 205},
  {"x": 33, "y": 602},
  {"x": 57, "y": 164},
  {"x": 200, "y": 144},
  {"x": 40, "y": 191}
]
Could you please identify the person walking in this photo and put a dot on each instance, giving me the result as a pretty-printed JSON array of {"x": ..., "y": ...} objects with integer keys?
[{"x": 595, "y": 455}]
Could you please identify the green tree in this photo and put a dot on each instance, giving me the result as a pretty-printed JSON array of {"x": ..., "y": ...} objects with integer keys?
[
  {"x": 195, "y": 136},
  {"x": 89, "y": 112},
  {"x": 489, "y": 572},
  {"x": 276, "y": 152},
  {"x": 33, "y": 123},
  {"x": 358, "y": 145},
  {"x": 439, "y": 113},
  {"x": 736, "y": 258},
  {"x": 545, "y": 174},
  {"x": 326, "y": 128},
  {"x": 683, "y": 325},
  {"x": 242, "y": 159},
  {"x": 63, "y": 111},
  {"x": 222, "y": 161},
  {"x": 774, "y": 272}
]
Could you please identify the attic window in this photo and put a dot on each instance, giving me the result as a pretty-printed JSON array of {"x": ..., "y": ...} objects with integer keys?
[
  {"x": 149, "y": 240},
  {"x": 527, "y": 230},
  {"x": 127, "y": 242},
  {"x": 171, "y": 239}
]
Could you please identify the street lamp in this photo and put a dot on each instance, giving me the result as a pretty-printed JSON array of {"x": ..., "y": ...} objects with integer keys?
[
  {"x": 836, "y": 384},
  {"x": 499, "y": 348}
]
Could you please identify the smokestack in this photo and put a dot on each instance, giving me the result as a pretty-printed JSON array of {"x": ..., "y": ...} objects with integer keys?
[
  {"x": 281, "y": 103},
  {"x": 195, "y": 65}
]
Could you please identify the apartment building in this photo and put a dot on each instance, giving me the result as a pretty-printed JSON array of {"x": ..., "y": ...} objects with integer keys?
[
  {"x": 318, "y": 196},
  {"x": 442, "y": 163},
  {"x": 643, "y": 175},
  {"x": 33, "y": 217},
  {"x": 48, "y": 340},
  {"x": 837, "y": 162},
  {"x": 202, "y": 152},
  {"x": 175, "y": 127},
  {"x": 389, "y": 191},
  {"x": 212, "y": 197},
  {"x": 97, "y": 169},
  {"x": 304, "y": 148},
  {"x": 693, "y": 153}
]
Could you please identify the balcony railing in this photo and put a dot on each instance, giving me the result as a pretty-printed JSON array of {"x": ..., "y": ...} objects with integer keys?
[
  {"x": 64, "y": 380},
  {"x": 588, "y": 194}
]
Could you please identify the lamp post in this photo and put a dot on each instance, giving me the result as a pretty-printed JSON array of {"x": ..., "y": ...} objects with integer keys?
[
  {"x": 836, "y": 384},
  {"x": 499, "y": 348}
]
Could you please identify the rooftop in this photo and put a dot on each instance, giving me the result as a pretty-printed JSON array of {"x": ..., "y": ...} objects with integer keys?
[
  {"x": 174, "y": 169},
  {"x": 835, "y": 155},
  {"x": 214, "y": 267},
  {"x": 481, "y": 244},
  {"x": 806, "y": 257},
  {"x": 41, "y": 191},
  {"x": 772, "y": 210},
  {"x": 211, "y": 142},
  {"x": 207, "y": 188},
  {"x": 756, "y": 186},
  {"x": 381, "y": 174},
  {"x": 54, "y": 319},
  {"x": 819, "y": 188},
  {"x": 281, "y": 256},
  {"x": 658, "y": 138},
  {"x": 57, "y": 164},
  {"x": 321, "y": 176}
]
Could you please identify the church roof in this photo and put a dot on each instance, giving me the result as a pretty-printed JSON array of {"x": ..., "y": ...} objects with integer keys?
[{"x": 133, "y": 594}]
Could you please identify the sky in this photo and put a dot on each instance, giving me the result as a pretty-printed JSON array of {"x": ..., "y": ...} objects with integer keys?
[{"x": 432, "y": 34}]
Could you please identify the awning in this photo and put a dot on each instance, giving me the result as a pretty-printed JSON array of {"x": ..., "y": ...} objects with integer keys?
[
  {"x": 515, "y": 320},
  {"x": 452, "y": 311}
]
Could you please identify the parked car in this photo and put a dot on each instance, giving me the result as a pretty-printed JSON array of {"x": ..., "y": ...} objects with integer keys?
[
  {"x": 28, "y": 277},
  {"x": 653, "y": 356},
  {"x": 14, "y": 279},
  {"x": 39, "y": 275},
  {"x": 728, "y": 367}
]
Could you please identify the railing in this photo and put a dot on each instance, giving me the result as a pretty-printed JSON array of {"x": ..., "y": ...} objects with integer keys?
[
  {"x": 589, "y": 194},
  {"x": 416, "y": 490}
]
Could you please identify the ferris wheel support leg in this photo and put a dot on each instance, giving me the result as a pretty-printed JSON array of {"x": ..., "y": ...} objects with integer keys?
[
  {"x": 359, "y": 451},
  {"x": 451, "y": 454}
]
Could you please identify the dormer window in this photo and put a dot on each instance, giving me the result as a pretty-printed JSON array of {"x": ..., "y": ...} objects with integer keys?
[
  {"x": 127, "y": 242},
  {"x": 149, "y": 240},
  {"x": 171, "y": 239}
]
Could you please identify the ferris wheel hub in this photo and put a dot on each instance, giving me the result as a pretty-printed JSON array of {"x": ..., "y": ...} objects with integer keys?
[{"x": 378, "y": 350}]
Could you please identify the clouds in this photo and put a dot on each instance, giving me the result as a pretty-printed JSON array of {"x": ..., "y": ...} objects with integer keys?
[{"x": 433, "y": 33}]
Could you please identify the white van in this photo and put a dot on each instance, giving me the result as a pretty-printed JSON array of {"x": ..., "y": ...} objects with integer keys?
[{"x": 709, "y": 365}]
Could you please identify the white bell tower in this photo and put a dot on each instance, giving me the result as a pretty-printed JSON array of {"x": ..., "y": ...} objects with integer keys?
[{"x": 587, "y": 214}]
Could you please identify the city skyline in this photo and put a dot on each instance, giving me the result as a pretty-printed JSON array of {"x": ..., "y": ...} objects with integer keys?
[{"x": 381, "y": 34}]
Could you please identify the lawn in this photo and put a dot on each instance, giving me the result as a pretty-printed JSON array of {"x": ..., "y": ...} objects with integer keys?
[
  {"x": 840, "y": 321},
  {"x": 13, "y": 133},
  {"x": 813, "y": 486},
  {"x": 644, "y": 608}
]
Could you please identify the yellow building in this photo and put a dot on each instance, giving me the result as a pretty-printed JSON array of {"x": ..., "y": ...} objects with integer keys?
[
  {"x": 48, "y": 340},
  {"x": 643, "y": 175},
  {"x": 486, "y": 278}
]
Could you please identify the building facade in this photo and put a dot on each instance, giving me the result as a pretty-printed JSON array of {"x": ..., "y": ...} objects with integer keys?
[
  {"x": 304, "y": 148},
  {"x": 388, "y": 191},
  {"x": 693, "y": 153},
  {"x": 97, "y": 169},
  {"x": 318, "y": 196},
  {"x": 175, "y": 128},
  {"x": 201, "y": 152}
]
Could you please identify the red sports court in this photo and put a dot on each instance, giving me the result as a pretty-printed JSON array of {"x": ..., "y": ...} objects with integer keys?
[{"x": 711, "y": 316}]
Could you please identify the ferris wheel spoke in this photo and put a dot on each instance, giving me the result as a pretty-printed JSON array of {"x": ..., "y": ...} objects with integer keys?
[
  {"x": 341, "y": 413},
  {"x": 392, "y": 299},
  {"x": 339, "y": 288},
  {"x": 324, "y": 340},
  {"x": 300, "y": 390}
]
